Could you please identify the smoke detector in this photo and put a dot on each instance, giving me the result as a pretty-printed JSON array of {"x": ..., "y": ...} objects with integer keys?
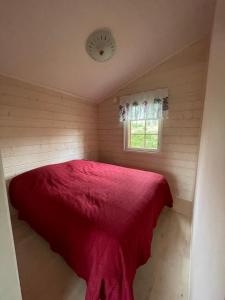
[{"x": 101, "y": 45}]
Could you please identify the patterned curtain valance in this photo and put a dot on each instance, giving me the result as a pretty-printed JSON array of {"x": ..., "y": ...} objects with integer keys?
[{"x": 152, "y": 105}]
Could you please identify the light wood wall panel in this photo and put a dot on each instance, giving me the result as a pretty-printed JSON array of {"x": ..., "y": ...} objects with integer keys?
[
  {"x": 184, "y": 75},
  {"x": 39, "y": 127}
]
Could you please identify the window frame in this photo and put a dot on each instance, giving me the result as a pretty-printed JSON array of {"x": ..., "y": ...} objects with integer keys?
[{"x": 141, "y": 150}]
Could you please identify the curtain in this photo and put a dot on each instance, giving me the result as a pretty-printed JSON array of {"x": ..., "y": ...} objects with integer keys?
[{"x": 152, "y": 105}]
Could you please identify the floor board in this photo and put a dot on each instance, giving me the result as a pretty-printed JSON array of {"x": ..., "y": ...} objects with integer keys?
[{"x": 45, "y": 276}]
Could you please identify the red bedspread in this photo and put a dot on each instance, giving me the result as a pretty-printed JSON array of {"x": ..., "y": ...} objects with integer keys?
[{"x": 99, "y": 217}]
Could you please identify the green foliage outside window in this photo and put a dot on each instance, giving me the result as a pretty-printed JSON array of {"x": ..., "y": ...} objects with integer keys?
[{"x": 143, "y": 134}]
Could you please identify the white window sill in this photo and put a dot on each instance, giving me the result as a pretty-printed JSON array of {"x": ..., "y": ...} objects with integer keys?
[{"x": 144, "y": 151}]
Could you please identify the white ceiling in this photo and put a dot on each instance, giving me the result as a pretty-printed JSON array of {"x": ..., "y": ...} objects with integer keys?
[{"x": 43, "y": 41}]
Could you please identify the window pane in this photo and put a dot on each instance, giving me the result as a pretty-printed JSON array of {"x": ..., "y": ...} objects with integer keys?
[
  {"x": 137, "y": 141},
  {"x": 151, "y": 141},
  {"x": 152, "y": 126},
  {"x": 137, "y": 127}
]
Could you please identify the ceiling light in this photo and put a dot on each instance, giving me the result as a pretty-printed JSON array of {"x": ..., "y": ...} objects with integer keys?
[{"x": 100, "y": 45}]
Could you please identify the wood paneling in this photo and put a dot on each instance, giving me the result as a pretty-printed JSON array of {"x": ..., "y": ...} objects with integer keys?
[
  {"x": 184, "y": 75},
  {"x": 39, "y": 127},
  {"x": 9, "y": 278}
]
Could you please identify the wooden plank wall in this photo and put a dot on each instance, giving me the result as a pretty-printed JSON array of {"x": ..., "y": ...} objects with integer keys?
[
  {"x": 184, "y": 75},
  {"x": 39, "y": 127}
]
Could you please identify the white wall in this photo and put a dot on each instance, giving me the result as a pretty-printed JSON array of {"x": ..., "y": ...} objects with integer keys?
[
  {"x": 208, "y": 245},
  {"x": 40, "y": 127},
  {"x": 9, "y": 280},
  {"x": 184, "y": 74}
]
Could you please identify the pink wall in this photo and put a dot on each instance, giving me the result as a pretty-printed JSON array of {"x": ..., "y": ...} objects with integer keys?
[{"x": 208, "y": 245}]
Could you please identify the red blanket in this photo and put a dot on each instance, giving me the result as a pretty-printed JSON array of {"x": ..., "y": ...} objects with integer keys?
[{"x": 99, "y": 217}]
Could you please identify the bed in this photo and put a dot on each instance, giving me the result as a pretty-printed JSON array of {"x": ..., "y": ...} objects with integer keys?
[{"x": 99, "y": 217}]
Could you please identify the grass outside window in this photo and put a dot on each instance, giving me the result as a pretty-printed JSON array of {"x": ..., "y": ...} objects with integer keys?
[{"x": 143, "y": 135}]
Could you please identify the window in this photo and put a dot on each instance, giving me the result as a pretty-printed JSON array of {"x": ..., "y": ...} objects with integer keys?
[
  {"x": 142, "y": 135},
  {"x": 142, "y": 115}
]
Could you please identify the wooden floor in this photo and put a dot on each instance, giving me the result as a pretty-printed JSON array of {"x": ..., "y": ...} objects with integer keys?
[{"x": 45, "y": 276}]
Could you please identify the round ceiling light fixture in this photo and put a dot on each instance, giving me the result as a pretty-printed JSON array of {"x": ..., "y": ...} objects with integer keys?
[{"x": 100, "y": 45}]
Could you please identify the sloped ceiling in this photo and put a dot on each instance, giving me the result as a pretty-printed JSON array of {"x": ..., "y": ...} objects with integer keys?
[{"x": 43, "y": 42}]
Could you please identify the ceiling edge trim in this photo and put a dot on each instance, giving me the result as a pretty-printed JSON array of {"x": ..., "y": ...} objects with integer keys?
[
  {"x": 151, "y": 68},
  {"x": 50, "y": 88}
]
